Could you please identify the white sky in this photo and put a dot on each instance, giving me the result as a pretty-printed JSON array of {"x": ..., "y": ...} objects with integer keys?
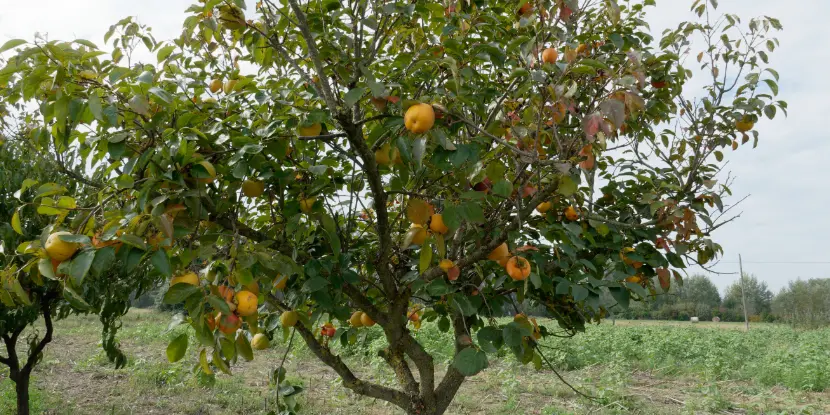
[{"x": 784, "y": 222}]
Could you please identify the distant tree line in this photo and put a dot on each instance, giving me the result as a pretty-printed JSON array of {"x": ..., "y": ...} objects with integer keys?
[{"x": 801, "y": 303}]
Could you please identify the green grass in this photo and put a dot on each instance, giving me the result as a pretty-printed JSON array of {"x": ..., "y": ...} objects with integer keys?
[{"x": 631, "y": 367}]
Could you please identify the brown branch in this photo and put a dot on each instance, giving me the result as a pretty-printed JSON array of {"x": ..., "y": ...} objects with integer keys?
[{"x": 47, "y": 320}]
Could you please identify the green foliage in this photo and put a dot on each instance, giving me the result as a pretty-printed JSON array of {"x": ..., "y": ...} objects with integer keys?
[{"x": 164, "y": 155}]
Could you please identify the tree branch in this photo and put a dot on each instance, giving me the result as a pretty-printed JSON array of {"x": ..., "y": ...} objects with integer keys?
[
  {"x": 302, "y": 24},
  {"x": 47, "y": 320}
]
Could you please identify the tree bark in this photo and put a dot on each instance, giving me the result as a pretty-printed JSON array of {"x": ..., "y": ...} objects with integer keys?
[{"x": 21, "y": 387}]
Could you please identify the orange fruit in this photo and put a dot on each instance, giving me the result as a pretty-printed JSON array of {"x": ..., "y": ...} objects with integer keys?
[
  {"x": 550, "y": 55},
  {"x": 634, "y": 279},
  {"x": 188, "y": 277},
  {"x": 437, "y": 225},
  {"x": 518, "y": 268},
  {"x": 419, "y": 118},
  {"x": 310, "y": 130},
  {"x": 386, "y": 155},
  {"x": 246, "y": 303},
  {"x": 419, "y": 234},
  {"x": 215, "y": 85},
  {"x": 327, "y": 330},
  {"x": 544, "y": 207},
  {"x": 58, "y": 249},
  {"x": 571, "y": 214},
  {"x": 356, "y": 319},
  {"x": 280, "y": 282},
  {"x": 744, "y": 125},
  {"x": 499, "y": 253},
  {"x": 307, "y": 204},
  {"x": 228, "y": 324},
  {"x": 446, "y": 264},
  {"x": 366, "y": 320}
]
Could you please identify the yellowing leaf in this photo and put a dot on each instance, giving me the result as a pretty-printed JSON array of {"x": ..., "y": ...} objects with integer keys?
[{"x": 16, "y": 222}]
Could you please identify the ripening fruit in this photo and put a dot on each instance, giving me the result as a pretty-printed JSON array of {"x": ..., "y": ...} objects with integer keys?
[
  {"x": 215, "y": 85},
  {"x": 229, "y": 86},
  {"x": 210, "y": 320},
  {"x": 544, "y": 207},
  {"x": 571, "y": 214},
  {"x": 525, "y": 9},
  {"x": 634, "y": 279},
  {"x": 253, "y": 188},
  {"x": 58, "y": 249},
  {"x": 225, "y": 292},
  {"x": 189, "y": 277},
  {"x": 446, "y": 264},
  {"x": 328, "y": 330},
  {"x": 228, "y": 324},
  {"x": 518, "y": 268},
  {"x": 366, "y": 320},
  {"x": 419, "y": 118},
  {"x": 310, "y": 130},
  {"x": 550, "y": 55},
  {"x": 307, "y": 204},
  {"x": 499, "y": 253},
  {"x": 211, "y": 171},
  {"x": 436, "y": 224},
  {"x": 744, "y": 125},
  {"x": 246, "y": 303},
  {"x": 260, "y": 342},
  {"x": 280, "y": 282},
  {"x": 289, "y": 318},
  {"x": 419, "y": 234},
  {"x": 355, "y": 319}
]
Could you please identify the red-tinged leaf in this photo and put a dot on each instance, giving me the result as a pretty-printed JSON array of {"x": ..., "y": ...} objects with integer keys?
[
  {"x": 393, "y": 99},
  {"x": 663, "y": 275},
  {"x": 453, "y": 273},
  {"x": 527, "y": 248},
  {"x": 592, "y": 123}
]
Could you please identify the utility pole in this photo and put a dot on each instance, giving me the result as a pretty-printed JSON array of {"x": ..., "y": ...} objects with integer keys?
[{"x": 743, "y": 292}]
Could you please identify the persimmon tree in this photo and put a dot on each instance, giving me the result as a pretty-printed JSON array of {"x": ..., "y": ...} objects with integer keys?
[{"x": 323, "y": 166}]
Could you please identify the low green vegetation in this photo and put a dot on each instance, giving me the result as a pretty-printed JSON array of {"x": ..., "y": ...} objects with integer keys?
[{"x": 629, "y": 367}]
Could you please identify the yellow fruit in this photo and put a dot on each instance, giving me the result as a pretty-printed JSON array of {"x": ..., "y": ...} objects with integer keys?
[
  {"x": 419, "y": 118},
  {"x": 60, "y": 250},
  {"x": 215, "y": 85},
  {"x": 229, "y": 86},
  {"x": 518, "y": 268},
  {"x": 366, "y": 320},
  {"x": 744, "y": 125},
  {"x": 310, "y": 130},
  {"x": 289, "y": 318},
  {"x": 383, "y": 155},
  {"x": 446, "y": 264},
  {"x": 571, "y": 214},
  {"x": 436, "y": 224},
  {"x": 260, "y": 342},
  {"x": 550, "y": 55},
  {"x": 501, "y": 252},
  {"x": 246, "y": 303},
  {"x": 253, "y": 188},
  {"x": 280, "y": 282},
  {"x": 210, "y": 101},
  {"x": 544, "y": 207},
  {"x": 355, "y": 319},
  {"x": 210, "y": 170},
  {"x": 419, "y": 235},
  {"x": 307, "y": 204},
  {"x": 188, "y": 277}
]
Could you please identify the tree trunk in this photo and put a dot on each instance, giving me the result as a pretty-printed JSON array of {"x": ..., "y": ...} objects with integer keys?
[{"x": 21, "y": 385}]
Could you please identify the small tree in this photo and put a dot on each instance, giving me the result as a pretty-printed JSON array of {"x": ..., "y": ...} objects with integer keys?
[
  {"x": 758, "y": 296},
  {"x": 397, "y": 163}
]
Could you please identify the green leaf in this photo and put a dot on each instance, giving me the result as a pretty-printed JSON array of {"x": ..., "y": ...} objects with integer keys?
[
  {"x": 161, "y": 94},
  {"x": 315, "y": 284},
  {"x": 218, "y": 304},
  {"x": 567, "y": 186},
  {"x": 243, "y": 347},
  {"x": 490, "y": 338},
  {"x": 125, "y": 181},
  {"x": 579, "y": 292},
  {"x": 331, "y": 233},
  {"x": 95, "y": 107},
  {"x": 470, "y": 361},
  {"x": 353, "y": 96},
  {"x": 80, "y": 265},
  {"x": 503, "y": 188},
  {"x": 139, "y": 104},
  {"x": 45, "y": 268},
  {"x": 621, "y": 295},
  {"x": 512, "y": 334},
  {"x": 104, "y": 259},
  {"x": 164, "y": 52},
  {"x": 161, "y": 263},
  {"x": 16, "y": 222},
  {"x": 11, "y": 44},
  {"x": 180, "y": 292},
  {"x": 75, "y": 300},
  {"x": 425, "y": 258},
  {"x": 177, "y": 348}
]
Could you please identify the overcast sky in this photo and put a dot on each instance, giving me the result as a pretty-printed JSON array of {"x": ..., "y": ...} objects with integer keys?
[{"x": 781, "y": 232}]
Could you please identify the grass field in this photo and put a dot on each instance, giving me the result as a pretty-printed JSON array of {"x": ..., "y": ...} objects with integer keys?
[{"x": 630, "y": 367}]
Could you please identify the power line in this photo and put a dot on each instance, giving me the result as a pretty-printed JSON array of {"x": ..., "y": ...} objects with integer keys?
[{"x": 777, "y": 262}]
